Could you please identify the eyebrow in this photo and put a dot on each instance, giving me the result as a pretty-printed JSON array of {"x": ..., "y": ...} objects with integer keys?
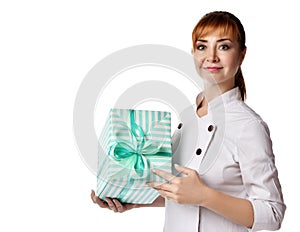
[{"x": 219, "y": 40}]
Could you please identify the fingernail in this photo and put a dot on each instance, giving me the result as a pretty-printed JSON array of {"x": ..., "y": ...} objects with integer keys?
[
  {"x": 154, "y": 170},
  {"x": 176, "y": 165}
]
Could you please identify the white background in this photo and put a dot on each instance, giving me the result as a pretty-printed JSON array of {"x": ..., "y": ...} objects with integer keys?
[{"x": 47, "y": 48}]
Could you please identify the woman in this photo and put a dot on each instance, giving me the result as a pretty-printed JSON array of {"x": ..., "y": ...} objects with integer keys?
[{"x": 228, "y": 180}]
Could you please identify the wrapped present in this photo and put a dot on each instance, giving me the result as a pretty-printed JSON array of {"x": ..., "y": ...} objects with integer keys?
[{"x": 132, "y": 143}]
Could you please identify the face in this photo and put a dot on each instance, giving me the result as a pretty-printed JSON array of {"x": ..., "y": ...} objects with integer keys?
[{"x": 217, "y": 59}]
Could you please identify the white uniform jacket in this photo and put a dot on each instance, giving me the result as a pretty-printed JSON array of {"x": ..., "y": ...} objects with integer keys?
[{"x": 231, "y": 149}]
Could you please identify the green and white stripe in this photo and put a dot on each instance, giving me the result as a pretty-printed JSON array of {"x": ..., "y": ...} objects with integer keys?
[{"x": 156, "y": 126}]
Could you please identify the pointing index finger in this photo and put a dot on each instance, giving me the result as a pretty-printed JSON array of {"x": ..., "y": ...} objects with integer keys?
[
  {"x": 166, "y": 175},
  {"x": 184, "y": 170}
]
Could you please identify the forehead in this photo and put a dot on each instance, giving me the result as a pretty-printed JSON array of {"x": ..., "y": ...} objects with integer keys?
[{"x": 220, "y": 31}]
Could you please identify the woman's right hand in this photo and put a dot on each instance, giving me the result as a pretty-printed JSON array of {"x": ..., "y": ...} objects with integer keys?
[{"x": 112, "y": 203}]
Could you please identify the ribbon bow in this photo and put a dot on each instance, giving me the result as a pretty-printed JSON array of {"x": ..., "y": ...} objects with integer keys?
[{"x": 132, "y": 153}]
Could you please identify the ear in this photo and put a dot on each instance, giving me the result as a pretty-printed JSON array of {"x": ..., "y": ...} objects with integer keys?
[{"x": 243, "y": 54}]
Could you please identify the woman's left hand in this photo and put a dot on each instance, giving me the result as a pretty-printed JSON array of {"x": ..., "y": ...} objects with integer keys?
[
  {"x": 112, "y": 203},
  {"x": 189, "y": 189}
]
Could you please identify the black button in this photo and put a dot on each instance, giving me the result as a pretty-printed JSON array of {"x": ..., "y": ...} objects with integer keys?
[
  {"x": 210, "y": 128},
  {"x": 179, "y": 125},
  {"x": 198, "y": 152}
]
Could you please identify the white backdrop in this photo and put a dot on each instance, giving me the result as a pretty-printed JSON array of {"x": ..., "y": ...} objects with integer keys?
[{"x": 47, "y": 48}]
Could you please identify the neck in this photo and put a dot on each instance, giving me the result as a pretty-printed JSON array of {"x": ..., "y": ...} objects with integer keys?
[{"x": 212, "y": 91}]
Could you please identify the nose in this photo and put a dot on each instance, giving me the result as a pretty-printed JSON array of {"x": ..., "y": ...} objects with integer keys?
[{"x": 212, "y": 56}]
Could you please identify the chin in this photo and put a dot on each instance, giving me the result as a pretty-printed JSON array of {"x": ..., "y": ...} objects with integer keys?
[{"x": 210, "y": 80}]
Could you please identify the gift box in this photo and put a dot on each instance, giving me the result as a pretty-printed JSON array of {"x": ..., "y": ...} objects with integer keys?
[{"x": 131, "y": 144}]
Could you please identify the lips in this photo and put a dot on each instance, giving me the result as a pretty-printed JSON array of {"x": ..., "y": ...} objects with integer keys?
[{"x": 213, "y": 69}]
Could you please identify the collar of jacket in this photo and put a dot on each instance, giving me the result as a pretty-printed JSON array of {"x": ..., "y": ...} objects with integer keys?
[{"x": 222, "y": 100}]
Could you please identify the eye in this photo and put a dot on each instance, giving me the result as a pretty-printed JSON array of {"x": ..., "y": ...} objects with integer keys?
[
  {"x": 201, "y": 47},
  {"x": 224, "y": 47}
]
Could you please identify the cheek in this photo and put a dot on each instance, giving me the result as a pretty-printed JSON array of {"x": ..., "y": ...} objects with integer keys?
[
  {"x": 197, "y": 60},
  {"x": 232, "y": 63},
  {"x": 198, "y": 65}
]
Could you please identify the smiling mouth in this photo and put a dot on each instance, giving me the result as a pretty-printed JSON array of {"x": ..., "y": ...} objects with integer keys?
[{"x": 212, "y": 69}]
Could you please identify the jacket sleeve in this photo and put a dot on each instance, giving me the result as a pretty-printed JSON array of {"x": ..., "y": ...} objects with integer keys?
[{"x": 260, "y": 176}]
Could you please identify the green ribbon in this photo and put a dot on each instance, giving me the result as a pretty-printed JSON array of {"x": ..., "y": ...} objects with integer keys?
[{"x": 132, "y": 154}]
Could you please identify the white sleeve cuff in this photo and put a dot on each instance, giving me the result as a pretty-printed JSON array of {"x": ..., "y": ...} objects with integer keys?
[{"x": 267, "y": 215}]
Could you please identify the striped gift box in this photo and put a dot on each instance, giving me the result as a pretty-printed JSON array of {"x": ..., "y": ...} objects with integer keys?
[{"x": 132, "y": 143}]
